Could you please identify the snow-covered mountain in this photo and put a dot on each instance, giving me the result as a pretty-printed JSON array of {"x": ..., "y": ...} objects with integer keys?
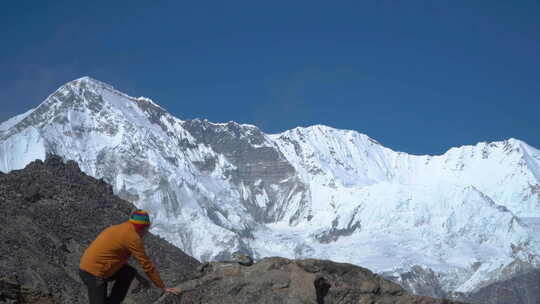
[{"x": 457, "y": 221}]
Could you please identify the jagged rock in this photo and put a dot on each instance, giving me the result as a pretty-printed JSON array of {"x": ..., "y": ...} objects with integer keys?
[
  {"x": 418, "y": 281},
  {"x": 11, "y": 292},
  {"x": 520, "y": 289},
  {"x": 50, "y": 212},
  {"x": 242, "y": 259},
  {"x": 279, "y": 280}
]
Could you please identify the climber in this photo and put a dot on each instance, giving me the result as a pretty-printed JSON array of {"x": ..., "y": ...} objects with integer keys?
[{"x": 105, "y": 260}]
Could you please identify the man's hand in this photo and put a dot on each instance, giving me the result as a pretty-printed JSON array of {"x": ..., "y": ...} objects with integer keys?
[{"x": 175, "y": 291}]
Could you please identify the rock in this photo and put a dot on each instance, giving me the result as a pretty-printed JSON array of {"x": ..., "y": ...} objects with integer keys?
[
  {"x": 279, "y": 280},
  {"x": 520, "y": 289},
  {"x": 242, "y": 259},
  {"x": 11, "y": 292},
  {"x": 419, "y": 281}
]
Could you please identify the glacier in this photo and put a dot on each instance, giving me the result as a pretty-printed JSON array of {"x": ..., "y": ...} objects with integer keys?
[{"x": 469, "y": 215}]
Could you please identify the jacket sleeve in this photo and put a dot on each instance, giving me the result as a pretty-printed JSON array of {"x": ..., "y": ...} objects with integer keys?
[{"x": 136, "y": 248}]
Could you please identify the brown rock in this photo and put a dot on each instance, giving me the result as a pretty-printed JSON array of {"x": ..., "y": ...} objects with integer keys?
[{"x": 279, "y": 280}]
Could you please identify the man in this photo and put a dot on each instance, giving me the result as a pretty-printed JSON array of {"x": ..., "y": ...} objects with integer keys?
[{"x": 106, "y": 259}]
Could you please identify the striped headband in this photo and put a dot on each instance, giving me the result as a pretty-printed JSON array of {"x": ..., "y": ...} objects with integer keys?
[{"x": 140, "y": 217}]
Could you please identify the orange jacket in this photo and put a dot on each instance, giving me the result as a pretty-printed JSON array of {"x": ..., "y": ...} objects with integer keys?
[{"x": 111, "y": 250}]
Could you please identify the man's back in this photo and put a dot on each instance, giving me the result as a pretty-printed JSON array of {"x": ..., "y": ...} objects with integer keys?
[{"x": 110, "y": 250}]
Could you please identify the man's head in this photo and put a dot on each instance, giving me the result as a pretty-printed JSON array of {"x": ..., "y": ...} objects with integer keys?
[{"x": 140, "y": 220}]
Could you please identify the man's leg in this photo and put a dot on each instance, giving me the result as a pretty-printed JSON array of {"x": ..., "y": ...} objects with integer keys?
[
  {"x": 97, "y": 287},
  {"x": 122, "y": 280}
]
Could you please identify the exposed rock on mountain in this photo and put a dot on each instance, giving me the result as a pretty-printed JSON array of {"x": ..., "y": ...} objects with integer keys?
[
  {"x": 279, "y": 280},
  {"x": 419, "y": 281},
  {"x": 521, "y": 289},
  {"x": 50, "y": 212}
]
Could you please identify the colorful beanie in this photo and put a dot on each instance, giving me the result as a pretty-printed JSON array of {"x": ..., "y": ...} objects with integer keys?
[{"x": 140, "y": 218}]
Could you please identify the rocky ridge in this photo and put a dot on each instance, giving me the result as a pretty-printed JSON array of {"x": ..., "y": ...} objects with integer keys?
[
  {"x": 523, "y": 288},
  {"x": 279, "y": 280},
  {"x": 50, "y": 212}
]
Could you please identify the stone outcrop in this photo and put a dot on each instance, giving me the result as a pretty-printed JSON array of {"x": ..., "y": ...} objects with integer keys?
[
  {"x": 11, "y": 292},
  {"x": 520, "y": 289},
  {"x": 279, "y": 280}
]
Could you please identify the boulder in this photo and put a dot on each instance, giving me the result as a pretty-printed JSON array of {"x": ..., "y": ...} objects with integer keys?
[{"x": 278, "y": 280}]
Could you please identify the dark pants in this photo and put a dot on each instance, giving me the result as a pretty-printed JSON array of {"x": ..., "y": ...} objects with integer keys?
[{"x": 97, "y": 287}]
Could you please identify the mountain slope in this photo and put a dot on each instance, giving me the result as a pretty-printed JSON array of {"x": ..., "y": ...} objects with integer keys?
[
  {"x": 308, "y": 192},
  {"x": 50, "y": 212},
  {"x": 521, "y": 289}
]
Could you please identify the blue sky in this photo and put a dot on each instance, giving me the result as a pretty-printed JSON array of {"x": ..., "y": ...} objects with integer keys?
[{"x": 418, "y": 76}]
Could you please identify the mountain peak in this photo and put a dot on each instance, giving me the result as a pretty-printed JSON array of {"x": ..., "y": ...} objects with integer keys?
[
  {"x": 90, "y": 103},
  {"x": 88, "y": 80},
  {"x": 85, "y": 79},
  {"x": 87, "y": 83},
  {"x": 320, "y": 132},
  {"x": 79, "y": 94},
  {"x": 92, "y": 84}
]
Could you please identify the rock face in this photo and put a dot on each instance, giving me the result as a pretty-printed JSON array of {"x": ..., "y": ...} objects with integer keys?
[
  {"x": 12, "y": 292},
  {"x": 50, "y": 212},
  {"x": 419, "y": 281},
  {"x": 521, "y": 289},
  {"x": 279, "y": 280}
]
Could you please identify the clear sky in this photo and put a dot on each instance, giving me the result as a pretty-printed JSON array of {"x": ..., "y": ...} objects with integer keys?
[{"x": 418, "y": 76}]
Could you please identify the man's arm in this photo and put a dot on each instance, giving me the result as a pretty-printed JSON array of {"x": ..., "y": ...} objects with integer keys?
[{"x": 137, "y": 250}]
